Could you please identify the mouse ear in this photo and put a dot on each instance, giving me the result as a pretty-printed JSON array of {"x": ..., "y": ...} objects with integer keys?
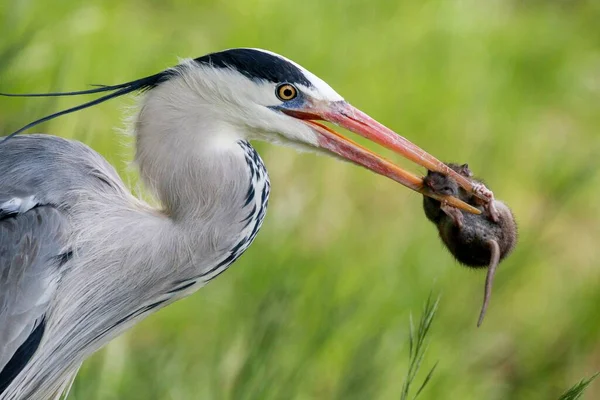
[{"x": 465, "y": 170}]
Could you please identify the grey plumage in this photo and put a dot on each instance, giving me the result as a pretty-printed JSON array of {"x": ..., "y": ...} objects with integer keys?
[
  {"x": 75, "y": 189},
  {"x": 125, "y": 259},
  {"x": 31, "y": 256}
]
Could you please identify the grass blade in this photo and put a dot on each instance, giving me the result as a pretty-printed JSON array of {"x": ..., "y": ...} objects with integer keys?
[
  {"x": 418, "y": 348},
  {"x": 577, "y": 390},
  {"x": 427, "y": 378}
]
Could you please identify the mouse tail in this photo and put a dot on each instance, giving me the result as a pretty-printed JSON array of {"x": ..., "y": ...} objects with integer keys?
[{"x": 489, "y": 279}]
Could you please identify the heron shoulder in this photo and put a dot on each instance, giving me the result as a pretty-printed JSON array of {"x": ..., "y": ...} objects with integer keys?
[{"x": 52, "y": 170}]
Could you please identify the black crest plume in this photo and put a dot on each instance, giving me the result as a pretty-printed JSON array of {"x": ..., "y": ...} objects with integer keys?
[{"x": 117, "y": 90}]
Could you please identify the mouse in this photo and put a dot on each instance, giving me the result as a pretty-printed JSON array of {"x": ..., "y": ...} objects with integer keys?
[{"x": 475, "y": 240}]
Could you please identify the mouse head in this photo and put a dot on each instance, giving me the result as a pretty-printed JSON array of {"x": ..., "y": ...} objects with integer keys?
[
  {"x": 440, "y": 184},
  {"x": 444, "y": 185}
]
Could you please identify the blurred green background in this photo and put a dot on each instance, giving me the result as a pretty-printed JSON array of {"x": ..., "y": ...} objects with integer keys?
[{"x": 318, "y": 307}]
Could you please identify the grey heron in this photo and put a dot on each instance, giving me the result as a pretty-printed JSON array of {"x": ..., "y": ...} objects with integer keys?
[{"x": 82, "y": 259}]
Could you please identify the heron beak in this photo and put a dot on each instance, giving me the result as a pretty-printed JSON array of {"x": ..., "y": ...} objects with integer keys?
[{"x": 354, "y": 120}]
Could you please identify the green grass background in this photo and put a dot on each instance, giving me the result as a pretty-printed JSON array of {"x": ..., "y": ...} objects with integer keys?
[{"x": 318, "y": 307}]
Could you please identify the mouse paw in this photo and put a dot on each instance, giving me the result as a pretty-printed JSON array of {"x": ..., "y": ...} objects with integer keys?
[
  {"x": 489, "y": 207},
  {"x": 453, "y": 213},
  {"x": 480, "y": 188},
  {"x": 491, "y": 210}
]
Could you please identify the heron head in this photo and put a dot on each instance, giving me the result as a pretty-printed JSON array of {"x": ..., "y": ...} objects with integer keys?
[{"x": 267, "y": 97}]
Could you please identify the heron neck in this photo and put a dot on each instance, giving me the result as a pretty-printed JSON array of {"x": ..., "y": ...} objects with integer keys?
[
  {"x": 210, "y": 181},
  {"x": 196, "y": 182},
  {"x": 188, "y": 155},
  {"x": 217, "y": 204}
]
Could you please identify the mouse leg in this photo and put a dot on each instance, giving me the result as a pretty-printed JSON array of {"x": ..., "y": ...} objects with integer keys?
[
  {"x": 490, "y": 208},
  {"x": 453, "y": 213},
  {"x": 489, "y": 279}
]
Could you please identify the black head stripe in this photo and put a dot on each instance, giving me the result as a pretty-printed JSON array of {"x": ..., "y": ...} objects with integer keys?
[{"x": 256, "y": 65}]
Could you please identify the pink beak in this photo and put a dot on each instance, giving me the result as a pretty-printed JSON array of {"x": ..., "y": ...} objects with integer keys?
[{"x": 351, "y": 118}]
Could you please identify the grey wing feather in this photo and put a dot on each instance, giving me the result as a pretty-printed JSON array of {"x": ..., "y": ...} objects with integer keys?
[
  {"x": 52, "y": 170},
  {"x": 41, "y": 178},
  {"x": 31, "y": 245}
]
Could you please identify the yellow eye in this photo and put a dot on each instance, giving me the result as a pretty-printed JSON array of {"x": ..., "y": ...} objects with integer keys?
[{"x": 286, "y": 92}]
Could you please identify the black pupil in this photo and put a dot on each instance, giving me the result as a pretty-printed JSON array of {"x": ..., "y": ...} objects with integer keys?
[{"x": 287, "y": 92}]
